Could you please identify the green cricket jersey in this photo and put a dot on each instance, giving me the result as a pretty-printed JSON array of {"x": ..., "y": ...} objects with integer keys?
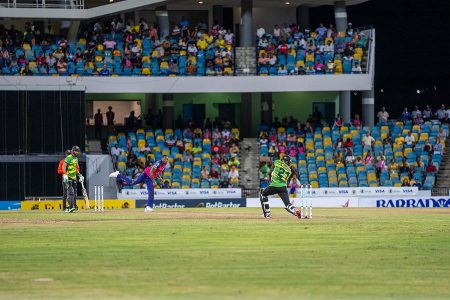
[
  {"x": 72, "y": 164},
  {"x": 280, "y": 174}
]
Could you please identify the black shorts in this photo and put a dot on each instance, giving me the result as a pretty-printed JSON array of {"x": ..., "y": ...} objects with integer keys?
[{"x": 280, "y": 191}]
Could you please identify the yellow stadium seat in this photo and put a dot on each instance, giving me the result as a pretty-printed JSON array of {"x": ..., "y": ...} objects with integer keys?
[
  {"x": 146, "y": 71},
  {"x": 141, "y": 144}
]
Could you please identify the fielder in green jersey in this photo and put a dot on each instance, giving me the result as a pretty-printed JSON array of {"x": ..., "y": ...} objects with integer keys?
[{"x": 281, "y": 173}]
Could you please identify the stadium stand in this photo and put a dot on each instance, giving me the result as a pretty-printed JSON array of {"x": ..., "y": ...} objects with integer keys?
[
  {"x": 133, "y": 51},
  {"x": 197, "y": 158},
  {"x": 290, "y": 51},
  {"x": 338, "y": 157}
]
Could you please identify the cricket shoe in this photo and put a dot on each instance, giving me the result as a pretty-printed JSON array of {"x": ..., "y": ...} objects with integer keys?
[
  {"x": 298, "y": 213},
  {"x": 73, "y": 209},
  {"x": 148, "y": 209},
  {"x": 267, "y": 216},
  {"x": 114, "y": 174}
]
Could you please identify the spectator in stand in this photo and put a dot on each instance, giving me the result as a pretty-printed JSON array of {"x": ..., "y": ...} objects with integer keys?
[
  {"x": 387, "y": 140},
  {"x": 338, "y": 122},
  {"x": 110, "y": 116},
  {"x": 356, "y": 122},
  {"x": 393, "y": 166},
  {"x": 166, "y": 184},
  {"x": 197, "y": 149},
  {"x": 293, "y": 185},
  {"x": 438, "y": 147},
  {"x": 234, "y": 162},
  {"x": 348, "y": 144},
  {"x": 282, "y": 70},
  {"x": 180, "y": 145},
  {"x": 399, "y": 140},
  {"x": 98, "y": 122},
  {"x": 380, "y": 165},
  {"x": 383, "y": 115},
  {"x": 204, "y": 173},
  {"x": 368, "y": 140},
  {"x": 234, "y": 176},
  {"x": 416, "y": 113},
  {"x": 260, "y": 32},
  {"x": 115, "y": 153},
  {"x": 349, "y": 158},
  {"x": 440, "y": 113},
  {"x": 427, "y": 113},
  {"x": 368, "y": 159},
  {"x": 214, "y": 174},
  {"x": 356, "y": 68},
  {"x": 410, "y": 140},
  {"x": 418, "y": 166},
  {"x": 187, "y": 156},
  {"x": 406, "y": 116},
  {"x": 428, "y": 147},
  {"x": 170, "y": 141},
  {"x": 442, "y": 135},
  {"x": 404, "y": 166},
  {"x": 405, "y": 182},
  {"x": 431, "y": 168},
  {"x": 339, "y": 146}
]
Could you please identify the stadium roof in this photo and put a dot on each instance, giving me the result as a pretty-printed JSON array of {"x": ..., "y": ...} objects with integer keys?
[{"x": 97, "y": 8}]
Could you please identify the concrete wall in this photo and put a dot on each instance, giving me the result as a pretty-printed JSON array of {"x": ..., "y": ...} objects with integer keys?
[
  {"x": 299, "y": 105},
  {"x": 241, "y": 84}
]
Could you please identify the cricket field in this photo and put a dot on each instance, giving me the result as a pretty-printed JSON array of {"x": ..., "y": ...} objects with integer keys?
[{"x": 225, "y": 254}]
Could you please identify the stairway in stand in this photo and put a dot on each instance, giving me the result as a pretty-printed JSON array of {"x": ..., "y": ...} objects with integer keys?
[
  {"x": 245, "y": 61},
  {"x": 249, "y": 176},
  {"x": 442, "y": 185}
]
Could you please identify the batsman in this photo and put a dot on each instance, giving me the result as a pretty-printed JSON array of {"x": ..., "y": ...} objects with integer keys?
[{"x": 281, "y": 173}]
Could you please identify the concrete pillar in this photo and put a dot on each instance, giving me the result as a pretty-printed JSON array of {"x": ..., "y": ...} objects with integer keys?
[
  {"x": 217, "y": 14},
  {"x": 246, "y": 33},
  {"x": 246, "y": 115},
  {"x": 136, "y": 17},
  {"x": 162, "y": 15},
  {"x": 73, "y": 31},
  {"x": 340, "y": 16},
  {"x": 345, "y": 105},
  {"x": 168, "y": 110},
  {"x": 368, "y": 108},
  {"x": 266, "y": 108},
  {"x": 303, "y": 16}
]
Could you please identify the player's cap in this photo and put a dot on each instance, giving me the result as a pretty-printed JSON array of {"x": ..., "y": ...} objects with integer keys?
[
  {"x": 76, "y": 149},
  {"x": 68, "y": 151},
  {"x": 286, "y": 159}
]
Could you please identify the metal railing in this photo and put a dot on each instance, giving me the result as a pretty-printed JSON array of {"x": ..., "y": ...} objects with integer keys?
[
  {"x": 61, "y": 4},
  {"x": 436, "y": 191}
]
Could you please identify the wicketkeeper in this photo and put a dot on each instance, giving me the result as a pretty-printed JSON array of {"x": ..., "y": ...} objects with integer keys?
[{"x": 281, "y": 173}]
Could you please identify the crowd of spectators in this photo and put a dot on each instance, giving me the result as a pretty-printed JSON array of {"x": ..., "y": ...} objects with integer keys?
[
  {"x": 291, "y": 51},
  {"x": 197, "y": 157},
  {"x": 118, "y": 48},
  {"x": 418, "y": 116},
  {"x": 401, "y": 152}
]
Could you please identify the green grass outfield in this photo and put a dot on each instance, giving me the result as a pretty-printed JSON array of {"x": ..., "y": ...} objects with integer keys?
[{"x": 225, "y": 254}]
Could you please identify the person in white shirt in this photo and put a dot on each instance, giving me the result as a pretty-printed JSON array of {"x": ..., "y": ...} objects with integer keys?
[
  {"x": 115, "y": 153},
  {"x": 409, "y": 139},
  {"x": 356, "y": 68},
  {"x": 229, "y": 36},
  {"x": 276, "y": 31},
  {"x": 427, "y": 113},
  {"x": 383, "y": 115},
  {"x": 367, "y": 140},
  {"x": 416, "y": 113},
  {"x": 329, "y": 47},
  {"x": 260, "y": 32},
  {"x": 440, "y": 113}
]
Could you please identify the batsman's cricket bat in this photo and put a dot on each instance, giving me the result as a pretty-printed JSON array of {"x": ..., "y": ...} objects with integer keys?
[{"x": 85, "y": 196}]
